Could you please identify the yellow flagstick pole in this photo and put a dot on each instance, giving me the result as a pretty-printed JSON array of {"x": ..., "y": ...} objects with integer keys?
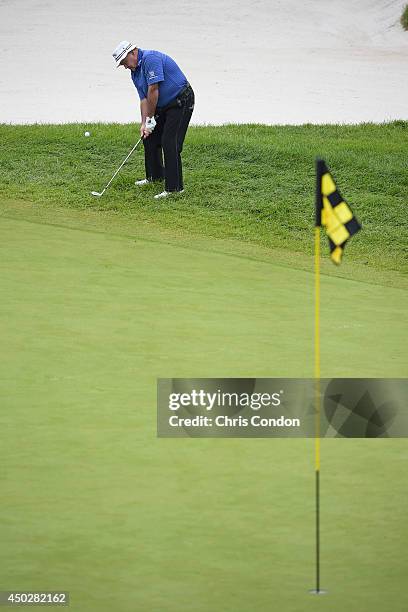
[
  {"x": 317, "y": 344},
  {"x": 320, "y": 165},
  {"x": 317, "y": 400}
]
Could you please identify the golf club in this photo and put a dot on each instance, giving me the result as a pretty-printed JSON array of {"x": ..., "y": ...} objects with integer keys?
[{"x": 99, "y": 194}]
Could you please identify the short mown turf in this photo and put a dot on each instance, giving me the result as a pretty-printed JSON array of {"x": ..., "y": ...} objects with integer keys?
[{"x": 92, "y": 502}]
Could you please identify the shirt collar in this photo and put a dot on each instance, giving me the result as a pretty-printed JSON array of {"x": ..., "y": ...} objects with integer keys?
[{"x": 139, "y": 58}]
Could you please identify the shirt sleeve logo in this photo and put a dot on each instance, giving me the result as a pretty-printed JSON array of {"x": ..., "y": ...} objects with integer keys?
[{"x": 151, "y": 74}]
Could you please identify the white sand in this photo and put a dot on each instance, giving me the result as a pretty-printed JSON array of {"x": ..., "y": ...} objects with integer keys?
[{"x": 266, "y": 61}]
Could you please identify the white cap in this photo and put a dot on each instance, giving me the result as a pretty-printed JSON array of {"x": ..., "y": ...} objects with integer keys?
[{"x": 121, "y": 51}]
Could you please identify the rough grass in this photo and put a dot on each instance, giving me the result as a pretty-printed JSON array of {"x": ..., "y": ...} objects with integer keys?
[
  {"x": 252, "y": 183},
  {"x": 404, "y": 18}
]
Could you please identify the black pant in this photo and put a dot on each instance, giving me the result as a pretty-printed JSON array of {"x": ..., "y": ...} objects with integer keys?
[{"x": 167, "y": 138}]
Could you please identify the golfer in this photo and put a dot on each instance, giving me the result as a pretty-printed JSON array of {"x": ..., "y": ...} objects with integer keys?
[{"x": 166, "y": 106}]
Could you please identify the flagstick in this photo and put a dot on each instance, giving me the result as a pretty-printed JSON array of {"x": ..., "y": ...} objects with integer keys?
[
  {"x": 317, "y": 401},
  {"x": 318, "y": 222},
  {"x": 328, "y": 199}
]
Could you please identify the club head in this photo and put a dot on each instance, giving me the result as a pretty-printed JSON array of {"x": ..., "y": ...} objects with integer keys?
[{"x": 96, "y": 193}]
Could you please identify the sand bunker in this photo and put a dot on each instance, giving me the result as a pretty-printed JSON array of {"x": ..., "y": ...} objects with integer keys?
[{"x": 267, "y": 61}]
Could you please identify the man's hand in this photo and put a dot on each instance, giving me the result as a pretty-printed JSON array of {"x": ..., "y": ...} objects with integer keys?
[
  {"x": 147, "y": 127},
  {"x": 150, "y": 124},
  {"x": 144, "y": 132}
]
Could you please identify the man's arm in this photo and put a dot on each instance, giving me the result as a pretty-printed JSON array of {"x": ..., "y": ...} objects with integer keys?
[
  {"x": 143, "y": 114},
  {"x": 148, "y": 107},
  {"x": 152, "y": 97}
]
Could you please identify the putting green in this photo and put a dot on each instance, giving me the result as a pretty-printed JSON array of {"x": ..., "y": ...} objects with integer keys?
[{"x": 94, "y": 503}]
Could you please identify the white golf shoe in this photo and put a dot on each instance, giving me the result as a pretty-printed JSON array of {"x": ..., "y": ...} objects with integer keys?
[
  {"x": 142, "y": 182},
  {"x": 165, "y": 194}
]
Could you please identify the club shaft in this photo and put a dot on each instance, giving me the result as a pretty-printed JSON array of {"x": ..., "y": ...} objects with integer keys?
[{"x": 122, "y": 164}]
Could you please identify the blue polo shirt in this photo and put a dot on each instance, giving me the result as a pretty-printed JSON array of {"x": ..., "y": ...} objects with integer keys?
[{"x": 156, "y": 67}]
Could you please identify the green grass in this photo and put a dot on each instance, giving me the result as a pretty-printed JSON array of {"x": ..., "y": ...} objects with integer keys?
[
  {"x": 250, "y": 183},
  {"x": 404, "y": 18},
  {"x": 99, "y": 298},
  {"x": 94, "y": 503}
]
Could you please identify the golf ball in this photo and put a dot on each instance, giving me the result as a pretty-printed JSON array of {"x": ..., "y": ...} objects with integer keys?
[{"x": 87, "y": 134}]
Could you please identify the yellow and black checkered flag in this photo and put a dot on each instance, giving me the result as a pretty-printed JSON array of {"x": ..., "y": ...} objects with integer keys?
[{"x": 333, "y": 213}]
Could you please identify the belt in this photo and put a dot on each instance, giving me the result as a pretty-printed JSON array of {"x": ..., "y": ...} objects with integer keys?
[{"x": 186, "y": 90}]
